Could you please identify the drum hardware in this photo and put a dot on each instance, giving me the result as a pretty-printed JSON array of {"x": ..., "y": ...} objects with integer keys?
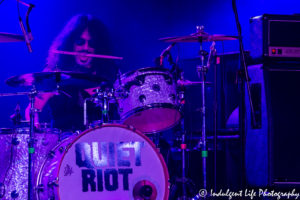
[
  {"x": 201, "y": 36},
  {"x": 102, "y": 98},
  {"x": 183, "y": 145},
  {"x": 179, "y": 77},
  {"x": 181, "y": 84},
  {"x": 31, "y": 141},
  {"x": 46, "y": 80},
  {"x": 202, "y": 70}
]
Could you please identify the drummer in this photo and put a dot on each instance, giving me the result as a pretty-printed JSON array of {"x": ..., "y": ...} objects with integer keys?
[{"x": 84, "y": 34}]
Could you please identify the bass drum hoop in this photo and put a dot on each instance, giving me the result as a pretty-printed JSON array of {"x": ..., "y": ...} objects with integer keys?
[{"x": 39, "y": 178}]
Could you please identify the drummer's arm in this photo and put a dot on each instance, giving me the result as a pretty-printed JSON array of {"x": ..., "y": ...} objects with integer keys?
[{"x": 39, "y": 104}]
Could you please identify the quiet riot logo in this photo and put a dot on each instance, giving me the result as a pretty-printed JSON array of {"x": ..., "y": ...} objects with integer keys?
[{"x": 102, "y": 163}]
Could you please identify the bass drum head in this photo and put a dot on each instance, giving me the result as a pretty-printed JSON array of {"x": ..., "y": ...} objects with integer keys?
[{"x": 111, "y": 162}]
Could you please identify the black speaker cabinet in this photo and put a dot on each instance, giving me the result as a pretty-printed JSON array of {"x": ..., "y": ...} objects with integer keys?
[
  {"x": 272, "y": 150},
  {"x": 275, "y": 37}
]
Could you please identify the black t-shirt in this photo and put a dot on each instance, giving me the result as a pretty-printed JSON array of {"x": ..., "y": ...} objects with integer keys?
[{"x": 65, "y": 111}]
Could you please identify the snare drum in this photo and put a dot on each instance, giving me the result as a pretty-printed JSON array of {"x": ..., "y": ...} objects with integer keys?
[
  {"x": 150, "y": 103},
  {"x": 14, "y": 159},
  {"x": 111, "y": 162}
]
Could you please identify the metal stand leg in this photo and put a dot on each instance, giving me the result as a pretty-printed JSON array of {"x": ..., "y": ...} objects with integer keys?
[
  {"x": 183, "y": 150},
  {"x": 203, "y": 70},
  {"x": 31, "y": 149}
]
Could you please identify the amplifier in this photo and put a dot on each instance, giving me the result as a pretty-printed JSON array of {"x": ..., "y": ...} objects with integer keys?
[{"x": 275, "y": 37}]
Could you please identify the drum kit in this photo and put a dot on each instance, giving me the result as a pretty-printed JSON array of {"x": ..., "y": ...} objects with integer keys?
[{"x": 109, "y": 161}]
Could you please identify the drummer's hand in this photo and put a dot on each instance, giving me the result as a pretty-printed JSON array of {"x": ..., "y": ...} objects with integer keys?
[
  {"x": 36, "y": 117},
  {"x": 92, "y": 91},
  {"x": 37, "y": 125}
]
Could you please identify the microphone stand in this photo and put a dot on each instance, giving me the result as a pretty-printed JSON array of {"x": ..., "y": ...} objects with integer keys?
[
  {"x": 244, "y": 79},
  {"x": 177, "y": 74}
]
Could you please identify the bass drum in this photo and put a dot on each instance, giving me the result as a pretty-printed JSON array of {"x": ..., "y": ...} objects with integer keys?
[{"x": 109, "y": 162}]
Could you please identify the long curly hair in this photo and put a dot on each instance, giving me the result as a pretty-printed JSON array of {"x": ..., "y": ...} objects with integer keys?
[{"x": 65, "y": 42}]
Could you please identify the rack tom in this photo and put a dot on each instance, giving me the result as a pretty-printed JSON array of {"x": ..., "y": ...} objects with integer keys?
[{"x": 149, "y": 101}]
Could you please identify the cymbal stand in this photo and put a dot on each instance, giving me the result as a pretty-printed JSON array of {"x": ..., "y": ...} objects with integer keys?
[
  {"x": 31, "y": 141},
  {"x": 202, "y": 70}
]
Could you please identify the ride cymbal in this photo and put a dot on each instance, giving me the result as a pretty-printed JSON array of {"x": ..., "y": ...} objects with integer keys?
[
  {"x": 48, "y": 80},
  {"x": 199, "y": 37}
]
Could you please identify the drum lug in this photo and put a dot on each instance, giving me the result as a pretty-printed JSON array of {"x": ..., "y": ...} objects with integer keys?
[
  {"x": 142, "y": 98},
  {"x": 62, "y": 149},
  {"x": 51, "y": 154},
  {"x": 53, "y": 183},
  {"x": 168, "y": 79},
  {"x": 140, "y": 80},
  {"x": 172, "y": 97},
  {"x": 40, "y": 188}
]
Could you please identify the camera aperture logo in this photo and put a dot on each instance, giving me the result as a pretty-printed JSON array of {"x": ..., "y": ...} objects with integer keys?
[{"x": 249, "y": 193}]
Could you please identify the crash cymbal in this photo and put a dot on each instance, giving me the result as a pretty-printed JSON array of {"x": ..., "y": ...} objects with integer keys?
[
  {"x": 87, "y": 54},
  {"x": 10, "y": 37},
  {"x": 199, "y": 37},
  {"x": 50, "y": 80}
]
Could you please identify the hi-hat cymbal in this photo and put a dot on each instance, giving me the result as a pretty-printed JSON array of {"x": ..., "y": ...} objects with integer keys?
[
  {"x": 10, "y": 37},
  {"x": 199, "y": 37},
  {"x": 50, "y": 80}
]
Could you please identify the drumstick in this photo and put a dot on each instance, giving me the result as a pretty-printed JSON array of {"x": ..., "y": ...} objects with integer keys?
[{"x": 86, "y": 54}]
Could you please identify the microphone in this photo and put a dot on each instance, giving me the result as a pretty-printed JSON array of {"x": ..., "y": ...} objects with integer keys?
[
  {"x": 27, "y": 36},
  {"x": 212, "y": 53},
  {"x": 165, "y": 52},
  {"x": 29, "y": 33}
]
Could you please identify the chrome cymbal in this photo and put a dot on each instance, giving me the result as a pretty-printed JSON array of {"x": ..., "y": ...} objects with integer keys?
[
  {"x": 10, "y": 37},
  {"x": 199, "y": 37}
]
